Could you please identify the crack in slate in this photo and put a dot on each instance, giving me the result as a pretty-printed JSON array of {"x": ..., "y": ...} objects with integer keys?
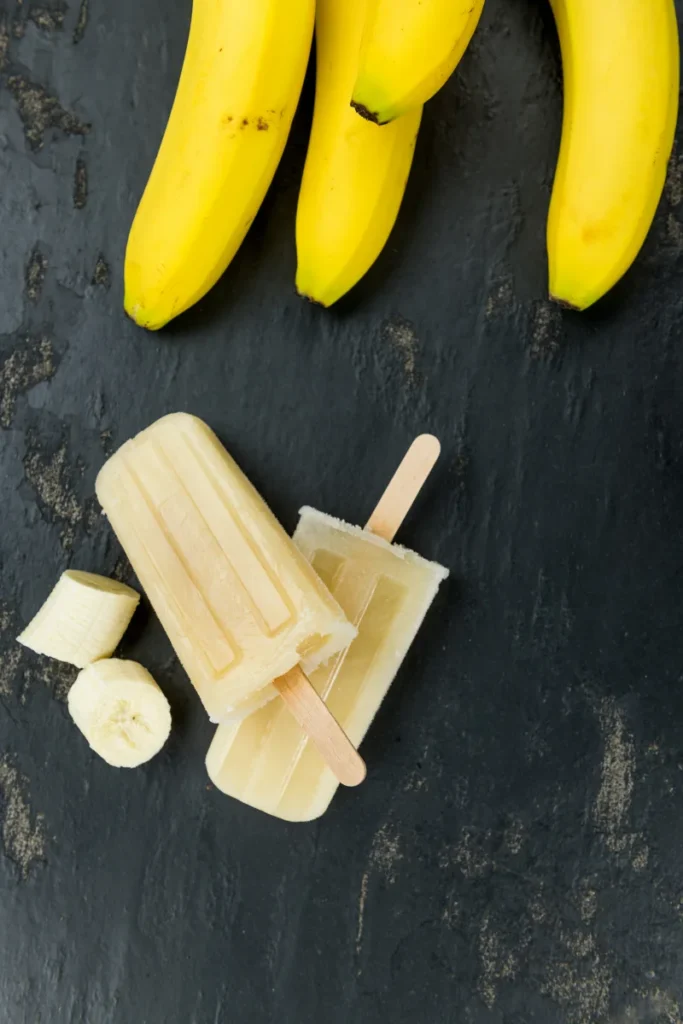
[
  {"x": 21, "y": 371},
  {"x": 102, "y": 273},
  {"x": 23, "y": 840},
  {"x": 39, "y": 111},
  {"x": 35, "y": 274},
  {"x": 81, "y": 184},
  {"x": 82, "y": 22},
  {"x": 49, "y": 19}
]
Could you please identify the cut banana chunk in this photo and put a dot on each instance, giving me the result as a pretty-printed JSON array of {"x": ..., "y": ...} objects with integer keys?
[
  {"x": 82, "y": 620},
  {"x": 121, "y": 711}
]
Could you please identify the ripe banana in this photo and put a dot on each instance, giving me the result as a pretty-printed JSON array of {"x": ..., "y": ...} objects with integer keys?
[
  {"x": 239, "y": 88},
  {"x": 355, "y": 173},
  {"x": 410, "y": 49},
  {"x": 82, "y": 620},
  {"x": 121, "y": 711},
  {"x": 621, "y": 71}
]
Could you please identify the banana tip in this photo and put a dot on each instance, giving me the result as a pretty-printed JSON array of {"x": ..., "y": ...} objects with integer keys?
[
  {"x": 366, "y": 113},
  {"x": 309, "y": 298},
  {"x": 134, "y": 313},
  {"x": 565, "y": 304}
]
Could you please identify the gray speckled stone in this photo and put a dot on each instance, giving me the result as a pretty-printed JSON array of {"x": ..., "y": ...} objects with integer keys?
[{"x": 514, "y": 857}]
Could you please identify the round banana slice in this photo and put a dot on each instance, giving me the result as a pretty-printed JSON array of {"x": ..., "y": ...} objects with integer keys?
[
  {"x": 121, "y": 711},
  {"x": 82, "y": 620}
]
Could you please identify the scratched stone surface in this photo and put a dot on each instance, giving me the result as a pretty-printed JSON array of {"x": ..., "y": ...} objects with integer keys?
[{"x": 515, "y": 855}]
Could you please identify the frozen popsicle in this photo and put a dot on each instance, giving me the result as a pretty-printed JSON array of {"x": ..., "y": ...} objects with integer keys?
[
  {"x": 240, "y": 603},
  {"x": 385, "y": 590}
]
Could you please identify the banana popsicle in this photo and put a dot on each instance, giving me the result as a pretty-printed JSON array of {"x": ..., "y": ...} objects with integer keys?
[
  {"x": 385, "y": 590},
  {"x": 239, "y": 602}
]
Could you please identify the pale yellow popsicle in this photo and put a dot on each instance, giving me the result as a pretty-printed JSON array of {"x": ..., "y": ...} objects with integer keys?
[
  {"x": 239, "y": 601},
  {"x": 385, "y": 590}
]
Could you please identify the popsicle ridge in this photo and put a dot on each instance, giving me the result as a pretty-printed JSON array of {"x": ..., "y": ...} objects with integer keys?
[{"x": 240, "y": 603}]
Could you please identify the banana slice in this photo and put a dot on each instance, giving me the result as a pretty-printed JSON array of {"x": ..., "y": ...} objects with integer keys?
[
  {"x": 82, "y": 620},
  {"x": 121, "y": 711}
]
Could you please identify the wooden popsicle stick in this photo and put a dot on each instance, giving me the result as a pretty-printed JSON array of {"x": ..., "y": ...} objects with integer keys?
[
  {"x": 302, "y": 699},
  {"x": 405, "y": 485},
  {"x": 318, "y": 722}
]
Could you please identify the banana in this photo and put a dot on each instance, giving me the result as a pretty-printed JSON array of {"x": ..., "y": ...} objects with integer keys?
[
  {"x": 355, "y": 173},
  {"x": 410, "y": 49},
  {"x": 121, "y": 711},
  {"x": 621, "y": 72},
  {"x": 82, "y": 620},
  {"x": 239, "y": 88}
]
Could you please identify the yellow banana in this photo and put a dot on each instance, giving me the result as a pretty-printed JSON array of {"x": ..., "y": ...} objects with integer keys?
[
  {"x": 239, "y": 88},
  {"x": 621, "y": 71},
  {"x": 355, "y": 173},
  {"x": 410, "y": 49}
]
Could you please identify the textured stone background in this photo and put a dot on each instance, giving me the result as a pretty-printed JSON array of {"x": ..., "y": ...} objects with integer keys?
[{"x": 515, "y": 855}]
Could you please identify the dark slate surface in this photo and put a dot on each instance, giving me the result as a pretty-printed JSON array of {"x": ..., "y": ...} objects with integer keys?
[{"x": 515, "y": 854}]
